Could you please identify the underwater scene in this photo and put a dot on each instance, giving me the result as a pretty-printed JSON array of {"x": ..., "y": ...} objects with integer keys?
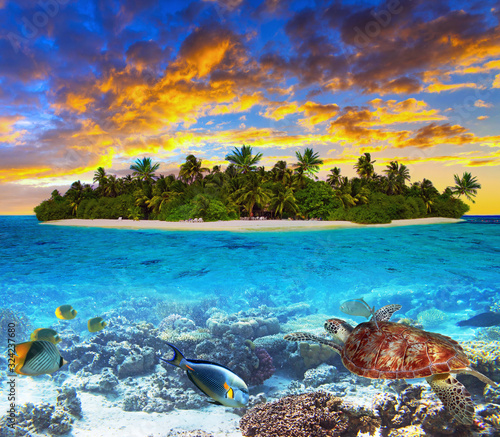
[{"x": 344, "y": 332}]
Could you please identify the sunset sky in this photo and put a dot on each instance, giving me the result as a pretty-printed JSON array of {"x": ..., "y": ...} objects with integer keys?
[{"x": 86, "y": 84}]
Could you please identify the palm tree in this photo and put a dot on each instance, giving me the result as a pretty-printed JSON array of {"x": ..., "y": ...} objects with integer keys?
[
  {"x": 252, "y": 193},
  {"x": 112, "y": 187},
  {"x": 308, "y": 163},
  {"x": 100, "y": 177},
  {"x": 333, "y": 179},
  {"x": 156, "y": 203},
  {"x": 343, "y": 193},
  {"x": 283, "y": 199},
  {"x": 364, "y": 166},
  {"x": 243, "y": 159},
  {"x": 466, "y": 186},
  {"x": 427, "y": 192},
  {"x": 397, "y": 175},
  {"x": 144, "y": 169},
  {"x": 192, "y": 170},
  {"x": 278, "y": 171},
  {"x": 75, "y": 195}
]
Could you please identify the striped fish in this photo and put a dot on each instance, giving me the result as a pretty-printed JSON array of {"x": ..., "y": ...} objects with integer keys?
[
  {"x": 37, "y": 358},
  {"x": 221, "y": 384}
]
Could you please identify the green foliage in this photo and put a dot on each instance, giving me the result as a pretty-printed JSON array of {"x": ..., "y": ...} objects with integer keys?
[
  {"x": 105, "y": 207},
  {"x": 175, "y": 214},
  {"x": 243, "y": 187},
  {"x": 210, "y": 210},
  {"x": 316, "y": 200},
  {"x": 445, "y": 206},
  {"x": 58, "y": 209},
  {"x": 365, "y": 214}
]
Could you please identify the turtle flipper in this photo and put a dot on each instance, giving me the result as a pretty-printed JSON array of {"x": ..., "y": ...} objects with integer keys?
[
  {"x": 456, "y": 399},
  {"x": 305, "y": 336},
  {"x": 385, "y": 313}
]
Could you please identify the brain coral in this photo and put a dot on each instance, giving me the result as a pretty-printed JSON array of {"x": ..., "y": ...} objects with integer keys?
[
  {"x": 432, "y": 318},
  {"x": 315, "y": 414}
]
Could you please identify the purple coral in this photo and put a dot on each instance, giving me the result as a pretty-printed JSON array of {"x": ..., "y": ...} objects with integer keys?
[
  {"x": 168, "y": 322},
  {"x": 265, "y": 369}
]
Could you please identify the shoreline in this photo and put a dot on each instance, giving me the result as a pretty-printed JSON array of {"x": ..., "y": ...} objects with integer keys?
[{"x": 242, "y": 225}]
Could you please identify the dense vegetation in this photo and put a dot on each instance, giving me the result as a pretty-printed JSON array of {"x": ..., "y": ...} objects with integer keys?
[{"x": 244, "y": 189}]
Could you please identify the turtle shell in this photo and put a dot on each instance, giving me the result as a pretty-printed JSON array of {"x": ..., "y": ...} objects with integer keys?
[{"x": 396, "y": 351}]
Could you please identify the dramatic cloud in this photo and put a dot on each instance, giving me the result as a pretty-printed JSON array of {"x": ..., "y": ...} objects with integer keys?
[{"x": 89, "y": 84}]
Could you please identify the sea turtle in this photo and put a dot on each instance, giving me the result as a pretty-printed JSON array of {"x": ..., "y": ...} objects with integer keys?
[{"x": 390, "y": 350}]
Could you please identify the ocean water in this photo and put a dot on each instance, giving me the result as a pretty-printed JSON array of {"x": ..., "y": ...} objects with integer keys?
[{"x": 454, "y": 268}]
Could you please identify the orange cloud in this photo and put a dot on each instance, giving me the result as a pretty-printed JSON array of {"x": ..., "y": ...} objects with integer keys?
[
  {"x": 8, "y": 132},
  {"x": 317, "y": 113},
  {"x": 438, "y": 87},
  {"x": 496, "y": 82},
  {"x": 280, "y": 112}
]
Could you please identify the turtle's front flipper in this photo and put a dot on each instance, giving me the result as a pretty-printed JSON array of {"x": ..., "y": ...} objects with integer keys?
[
  {"x": 385, "y": 313},
  {"x": 456, "y": 399},
  {"x": 305, "y": 336}
]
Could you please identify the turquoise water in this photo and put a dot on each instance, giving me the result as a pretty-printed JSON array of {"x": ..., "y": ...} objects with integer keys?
[{"x": 452, "y": 267}]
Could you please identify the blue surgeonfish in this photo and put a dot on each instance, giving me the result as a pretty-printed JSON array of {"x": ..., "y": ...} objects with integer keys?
[
  {"x": 218, "y": 382},
  {"x": 357, "y": 307},
  {"x": 38, "y": 357}
]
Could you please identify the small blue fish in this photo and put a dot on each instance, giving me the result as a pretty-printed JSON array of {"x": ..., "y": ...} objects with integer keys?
[
  {"x": 216, "y": 381},
  {"x": 357, "y": 307}
]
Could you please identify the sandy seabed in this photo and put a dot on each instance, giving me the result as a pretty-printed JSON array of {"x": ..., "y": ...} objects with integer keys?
[{"x": 242, "y": 225}]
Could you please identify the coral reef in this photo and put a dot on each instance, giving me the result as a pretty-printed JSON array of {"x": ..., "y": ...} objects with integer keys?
[
  {"x": 241, "y": 325},
  {"x": 432, "y": 318},
  {"x": 415, "y": 412},
  {"x": 314, "y": 354},
  {"x": 45, "y": 418},
  {"x": 265, "y": 368},
  {"x": 127, "y": 348},
  {"x": 484, "y": 357},
  {"x": 315, "y": 414},
  {"x": 21, "y": 324},
  {"x": 410, "y": 322},
  {"x": 323, "y": 374}
]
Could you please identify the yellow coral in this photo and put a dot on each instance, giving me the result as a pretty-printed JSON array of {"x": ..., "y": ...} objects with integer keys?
[
  {"x": 173, "y": 336},
  {"x": 314, "y": 354},
  {"x": 483, "y": 355}
]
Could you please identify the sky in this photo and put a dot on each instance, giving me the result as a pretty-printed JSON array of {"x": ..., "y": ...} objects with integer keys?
[{"x": 87, "y": 84}]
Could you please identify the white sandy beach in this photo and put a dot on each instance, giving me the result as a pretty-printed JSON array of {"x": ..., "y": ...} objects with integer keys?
[{"x": 241, "y": 225}]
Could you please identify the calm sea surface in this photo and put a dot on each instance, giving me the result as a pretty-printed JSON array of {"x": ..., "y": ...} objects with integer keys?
[{"x": 453, "y": 267}]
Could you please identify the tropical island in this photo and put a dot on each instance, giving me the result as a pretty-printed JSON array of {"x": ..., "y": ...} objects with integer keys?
[{"x": 246, "y": 190}]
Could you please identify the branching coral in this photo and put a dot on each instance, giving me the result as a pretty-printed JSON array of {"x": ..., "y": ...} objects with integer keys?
[{"x": 315, "y": 414}]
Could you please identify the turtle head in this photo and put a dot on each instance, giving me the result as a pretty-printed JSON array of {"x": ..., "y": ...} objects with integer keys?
[{"x": 338, "y": 329}]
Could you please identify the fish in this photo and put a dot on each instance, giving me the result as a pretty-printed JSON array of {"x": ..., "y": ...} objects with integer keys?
[
  {"x": 482, "y": 320},
  {"x": 37, "y": 357},
  {"x": 96, "y": 324},
  {"x": 357, "y": 307},
  {"x": 65, "y": 312},
  {"x": 46, "y": 334},
  {"x": 216, "y": 381}
]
